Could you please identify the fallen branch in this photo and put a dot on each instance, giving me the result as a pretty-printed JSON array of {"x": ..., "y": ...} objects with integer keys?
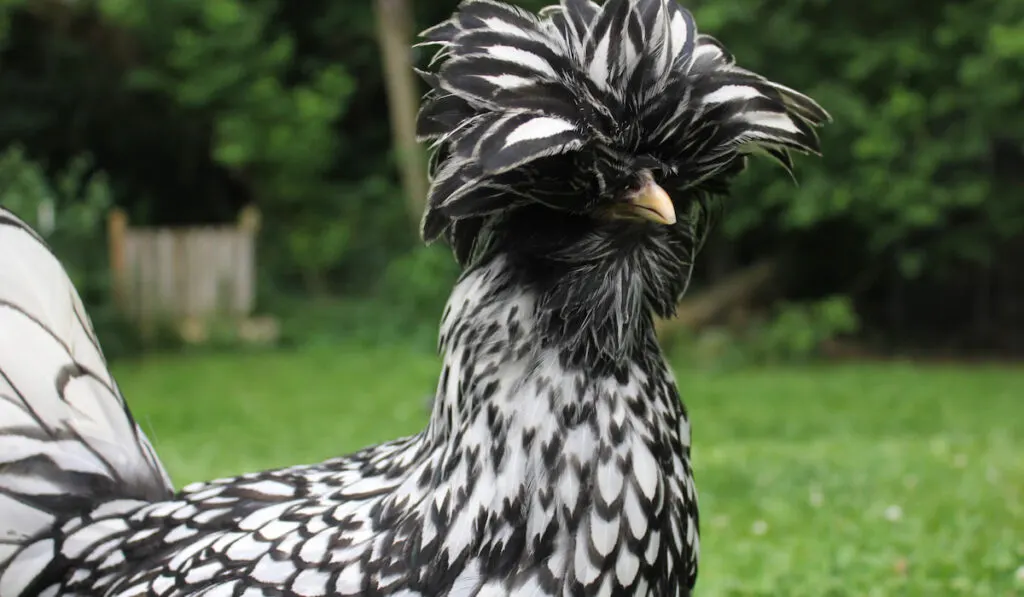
[{"x": 736, "y": 290}]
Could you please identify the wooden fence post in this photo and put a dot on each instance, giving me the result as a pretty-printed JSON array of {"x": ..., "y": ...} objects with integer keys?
[
  {"x": 249, "y": 219},
  {"x": 117, "y": 227},
  {"x": 394, "y": 33}
]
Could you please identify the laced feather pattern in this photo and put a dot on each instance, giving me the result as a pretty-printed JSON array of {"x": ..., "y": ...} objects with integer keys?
[
  {"x": 556, "y": 460},
  {"x": 519, "y": 102}
]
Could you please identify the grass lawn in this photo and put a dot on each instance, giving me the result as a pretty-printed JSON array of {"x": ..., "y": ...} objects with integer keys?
[{"x": 826, "y": 481}]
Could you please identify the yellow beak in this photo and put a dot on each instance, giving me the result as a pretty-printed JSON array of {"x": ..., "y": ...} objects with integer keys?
[{"x": 652, "y": 203}]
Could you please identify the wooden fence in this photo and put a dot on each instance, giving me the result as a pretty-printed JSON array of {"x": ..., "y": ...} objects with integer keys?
[{"x": 174, "y": 274}]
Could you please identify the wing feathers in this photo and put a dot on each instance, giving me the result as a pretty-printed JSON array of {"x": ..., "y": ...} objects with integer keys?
[{"x": 67, "y": 439}]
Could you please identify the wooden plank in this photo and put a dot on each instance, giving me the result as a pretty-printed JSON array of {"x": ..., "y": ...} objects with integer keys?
[
  {"x": 209, "y": 275},
  {"x": 130, "y": 281},
  {"x": 195, "y": 272},
  {"x": 245, "y": 287},
  {"x": 181, "y": 273},
  {"x": 229, "y": 275},
  {"x": 245, "y": 260},
  {"x": 117, "y": 227},
  {"x": 148, "y": 303},
  {"x": 165, "y": 271}
]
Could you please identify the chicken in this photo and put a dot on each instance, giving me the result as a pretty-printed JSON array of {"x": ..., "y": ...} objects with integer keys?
[{"x": 575, "y": 154}]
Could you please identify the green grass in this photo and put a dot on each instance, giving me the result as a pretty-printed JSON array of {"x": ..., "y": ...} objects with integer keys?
[{"x": 825, "y": 481}]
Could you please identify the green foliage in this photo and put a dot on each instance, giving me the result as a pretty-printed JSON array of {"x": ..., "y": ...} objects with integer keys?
[
  {"x": 271, "y": 122},
  {"x": 69, "y": 210},
  {"x": 815, "y": 481},
  {"x": 5, "y": 24},
  {"x": 405, "y": 308},
  {"x": 921, "y": 96},
  {"x": 793, "y": 333},
  {"x": 797, "y": 331},
  {"x": 195, "y": 108},
  {"x": 418, "y": 283}
]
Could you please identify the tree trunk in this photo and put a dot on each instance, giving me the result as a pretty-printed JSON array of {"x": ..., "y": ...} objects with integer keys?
[{"x": 394, "y": 32}]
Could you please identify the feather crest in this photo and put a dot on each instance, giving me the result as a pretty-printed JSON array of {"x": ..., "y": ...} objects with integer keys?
[{"x": 511, "y": 89}]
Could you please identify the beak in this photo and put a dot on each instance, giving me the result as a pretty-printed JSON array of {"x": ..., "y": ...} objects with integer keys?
[{"x": 652, "y": 203}]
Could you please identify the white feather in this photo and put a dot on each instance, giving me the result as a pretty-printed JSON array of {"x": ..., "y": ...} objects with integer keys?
[
  {"x": 506, "y": 81},
  {"x": 59, "y": 405},
  {"x": 598, "y": 69},
  {"x": 730, "y": 93},
  {"x": 604, "y": 533},
  {"x": 311, "y": 583},
  {"x": 626, "y": 567},
  {"x": 678, "y": 33},
  {"x": 271, "y": 571},
  {"x": 538, "y": 128},
  {"x": 25, "y": 566},
  {"x": 583, "y": 569},
  {"x": 645, "y": 471},
  {"x": 773, "y": 120},
  {"x": 522, "y": 57},
  {"x": 350, "y": 580}
]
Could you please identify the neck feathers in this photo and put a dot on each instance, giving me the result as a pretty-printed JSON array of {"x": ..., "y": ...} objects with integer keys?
[
  {"x": 503, "y": 372},
  {"x": 581, "y": 476},
  {"x": 589, "y": 293},
  {"x": 504, "y": 339}
]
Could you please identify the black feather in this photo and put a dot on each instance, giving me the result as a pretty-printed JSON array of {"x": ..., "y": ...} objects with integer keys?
[{"x": 440, "y": 114}]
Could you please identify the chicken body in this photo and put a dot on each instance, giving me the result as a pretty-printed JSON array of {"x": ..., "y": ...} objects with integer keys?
[
  {"x": 531, "y": 479},
  {"x": 575, "y": 152}
]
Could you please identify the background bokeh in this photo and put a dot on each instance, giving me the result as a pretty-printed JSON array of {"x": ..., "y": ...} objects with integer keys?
[{"x": 858, "y": 409}]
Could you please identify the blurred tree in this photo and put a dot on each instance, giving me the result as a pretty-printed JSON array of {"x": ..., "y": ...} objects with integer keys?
[
  {"x": 270, "y": 117},
  {"x": 196, "y": 108},
  {"x": 922, "y": 168},
  {"x": 394, "y": 24}
]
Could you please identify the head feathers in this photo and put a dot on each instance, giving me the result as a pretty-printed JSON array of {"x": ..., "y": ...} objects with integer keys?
[{"x": 554, "y": 107}]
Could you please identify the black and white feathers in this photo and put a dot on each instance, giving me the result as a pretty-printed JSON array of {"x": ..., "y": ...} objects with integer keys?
[
  {"x": 67, "y": 440},
  {"x": 564, "y": 107},
  {"x": 532, "y": 478},
  {"x": 546, "y": 125},
  {"x": 556, "y": 460}
]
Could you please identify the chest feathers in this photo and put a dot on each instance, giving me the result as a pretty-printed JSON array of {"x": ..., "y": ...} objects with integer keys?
[{"x": 557, "y": 478}]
